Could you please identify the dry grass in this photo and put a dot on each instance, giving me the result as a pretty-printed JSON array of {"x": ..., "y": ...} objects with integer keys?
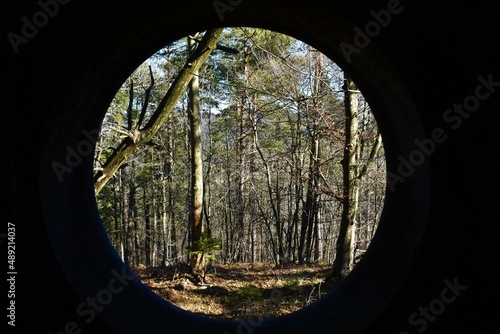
[{"x": 240, "y": 290}]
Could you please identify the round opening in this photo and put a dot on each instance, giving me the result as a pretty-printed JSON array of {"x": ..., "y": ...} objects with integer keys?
[
  {"x": 73, "y": 222},
  {"x": 271, "y": 143}
]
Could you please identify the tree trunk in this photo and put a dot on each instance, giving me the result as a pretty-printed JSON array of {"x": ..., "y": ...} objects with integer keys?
[
  {"x": 156, "y": 235},
  {"x": 169, "y": 232},
  {"x": 148, "y": 232},
  {"x": 136, "y": 251},
  {"x": 122, "y": 206},
  {"x": 117, "y": 241},
  {"x": 196, "y": 210},
  {"x": 311, "y": 205},
  {"x": 277, "y": 251},
  {"x": 240, "y": 200},
  {"x": 125, "y": 218},
  {"x": 351, "y": 183}
]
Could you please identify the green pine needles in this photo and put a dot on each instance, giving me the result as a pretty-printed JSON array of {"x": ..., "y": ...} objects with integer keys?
[{"x": 207, "y": 247}]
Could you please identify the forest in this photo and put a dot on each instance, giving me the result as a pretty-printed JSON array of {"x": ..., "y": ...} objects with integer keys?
[{"x": 240, "y": 147}]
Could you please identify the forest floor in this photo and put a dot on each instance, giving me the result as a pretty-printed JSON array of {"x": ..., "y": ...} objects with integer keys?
[{"x": 240, "y": 291}]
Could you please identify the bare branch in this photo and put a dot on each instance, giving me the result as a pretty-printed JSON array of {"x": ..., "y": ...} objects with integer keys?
[{"x": 146, "y": 98}]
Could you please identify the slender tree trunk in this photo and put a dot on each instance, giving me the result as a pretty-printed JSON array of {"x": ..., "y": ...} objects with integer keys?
[
  {"x": 136, "y": 251},
  {"x": 156, "y": 235},
  {"x": 229, "y": 209},
  {"x": 116, "y": 217},
  {"x": 125, "y": 218},
  {"x": 317, "y": 236},
  {"x": 169, "y": 223},
  {"x": 227, "y": 223},
  {"x": 316, "y": 205},
  {"x": 251, "y": 203},
  {"x": 252, "y": 196},
  {"x": 240, "y": 200},
  {"x": 148, "y": 232},
  {"x": 277, "y": 251},
  {"x": 122, "y": 217},
  {"x": 311, "y": 205},
  {"x": 351, "y": 183},
  {"x": 278, "y": 218},
  {"x": 196, "y": 210},
  {"x": 299, "y": 190}
]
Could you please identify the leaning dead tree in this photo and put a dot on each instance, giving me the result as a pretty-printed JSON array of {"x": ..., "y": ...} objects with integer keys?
[{"x": 137, "y": 134}]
